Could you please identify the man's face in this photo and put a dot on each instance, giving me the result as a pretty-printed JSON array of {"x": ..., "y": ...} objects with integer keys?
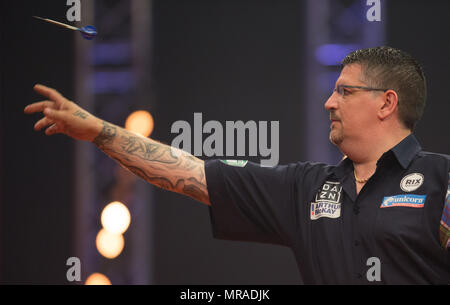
[{"x": 354, "y": 112}]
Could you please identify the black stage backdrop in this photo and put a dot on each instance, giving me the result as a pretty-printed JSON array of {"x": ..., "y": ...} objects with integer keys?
[
  {"x": 422, "y": 28},
  {"x": 230, "y": 60},
  {"x": 36, "y": 171}
]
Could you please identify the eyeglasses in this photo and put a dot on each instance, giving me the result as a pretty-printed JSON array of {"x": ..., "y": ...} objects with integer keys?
[{"x": 340, "y": 88}]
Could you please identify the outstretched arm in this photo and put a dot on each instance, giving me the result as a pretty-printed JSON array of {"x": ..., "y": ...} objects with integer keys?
[{"x": 164, "y": 166}]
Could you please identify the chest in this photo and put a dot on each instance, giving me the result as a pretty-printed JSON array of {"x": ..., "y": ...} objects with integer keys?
[{"x": 392, "y": 209}]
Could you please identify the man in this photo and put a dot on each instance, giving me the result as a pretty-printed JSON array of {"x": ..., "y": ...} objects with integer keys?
[{"x": 380, "y": 216}]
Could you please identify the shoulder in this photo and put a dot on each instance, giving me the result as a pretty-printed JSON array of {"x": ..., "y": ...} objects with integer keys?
[
  {"x": 434, "y": 157},
  {"x": 300, "y": 170},
  {"x": 436, "y": 162}
]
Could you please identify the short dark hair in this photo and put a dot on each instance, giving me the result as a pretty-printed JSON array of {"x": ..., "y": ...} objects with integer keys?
[{"x": 389, "y": 68}]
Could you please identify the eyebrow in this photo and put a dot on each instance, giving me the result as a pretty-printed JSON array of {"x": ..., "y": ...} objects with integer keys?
[{"x": 341, "y": 81}]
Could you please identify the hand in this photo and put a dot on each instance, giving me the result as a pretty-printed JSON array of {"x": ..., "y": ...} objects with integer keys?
[{"x": 63, "y": 116}]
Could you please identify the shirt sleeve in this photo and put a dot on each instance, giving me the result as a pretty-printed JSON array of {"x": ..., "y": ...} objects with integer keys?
[{"x": 252, "y": 203}]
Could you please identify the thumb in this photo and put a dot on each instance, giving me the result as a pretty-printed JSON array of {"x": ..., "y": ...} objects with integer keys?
[{"x": 55, "y": 115}]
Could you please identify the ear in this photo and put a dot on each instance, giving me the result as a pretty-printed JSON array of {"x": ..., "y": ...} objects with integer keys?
[{"x": 389, "y": 104}]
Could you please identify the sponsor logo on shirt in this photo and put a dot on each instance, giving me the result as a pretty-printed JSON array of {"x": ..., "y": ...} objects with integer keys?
[
  {"x": 237, "y": 163},
  {"x": 411, "y": 182},
  {"x": 328, "y": 201},
  {"x": 413, "y": 201}
]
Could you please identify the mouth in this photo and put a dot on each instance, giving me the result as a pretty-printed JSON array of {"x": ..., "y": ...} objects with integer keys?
[{"x": 333, "y": 122}]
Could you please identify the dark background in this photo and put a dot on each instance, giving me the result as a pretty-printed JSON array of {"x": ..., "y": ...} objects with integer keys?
[
  {"x": 36, "y": 171},
  {"x": 230, "y": 60}
]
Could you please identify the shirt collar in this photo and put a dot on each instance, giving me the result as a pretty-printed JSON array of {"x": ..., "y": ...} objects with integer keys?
[
  {"x": 343, "y": 168},
  {"x": 404, "y": 152}
]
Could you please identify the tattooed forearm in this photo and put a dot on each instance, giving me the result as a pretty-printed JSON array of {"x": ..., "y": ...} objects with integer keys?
[
  {"x": 159, "y": 164},
  {"x": 196, "y": 190},
  {"x": 188, "y": 186},
  {"x": 158, "y": 181},
  {"x": 147, "y": 151},
  {"x": 106, "y": 136}
]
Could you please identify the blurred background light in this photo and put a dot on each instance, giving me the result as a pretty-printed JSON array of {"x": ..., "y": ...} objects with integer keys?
[
  {"x": 115, "y": 218},
  {"x": 112, "y": 53},
  {"x": 108, "y": 244},
  {"x": 97, "y": 279},
  {"x": 140, "y": 122},
  {"x": 333, "y": 54},
  {"x": 112, "y": 82}
]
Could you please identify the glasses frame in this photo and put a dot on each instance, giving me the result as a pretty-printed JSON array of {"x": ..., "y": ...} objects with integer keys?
[{"x": 340, "y": 91}]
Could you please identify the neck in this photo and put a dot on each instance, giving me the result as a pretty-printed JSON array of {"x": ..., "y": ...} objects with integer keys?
[{"x": 366, "y": 151}]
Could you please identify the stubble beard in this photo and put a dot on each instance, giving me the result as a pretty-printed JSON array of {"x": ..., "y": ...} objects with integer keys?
[{"x": 336, "y": 136}]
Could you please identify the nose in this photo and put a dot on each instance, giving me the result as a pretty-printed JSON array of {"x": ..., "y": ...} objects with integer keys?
[{"x": 331, "y": 103}]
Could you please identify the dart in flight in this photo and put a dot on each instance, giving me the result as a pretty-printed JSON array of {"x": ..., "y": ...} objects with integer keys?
[{"x": 88, "y": 32}]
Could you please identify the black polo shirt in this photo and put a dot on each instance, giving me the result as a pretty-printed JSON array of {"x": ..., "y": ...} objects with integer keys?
[{"x": 338, "y": 237}]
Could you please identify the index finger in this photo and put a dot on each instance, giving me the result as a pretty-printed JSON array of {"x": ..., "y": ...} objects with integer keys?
[
  {"x": 50, "y": 93},
  {"x": 38, "y": 107}
]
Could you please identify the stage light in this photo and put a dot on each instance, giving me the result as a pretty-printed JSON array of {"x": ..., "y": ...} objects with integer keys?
[
  {"x": 97, "y": 279},
  {"x": 140, "y": 122},
  {"x": 333, "y": 54},
  {"x": 115, "y": 218},
  {"x": 108, "y": 244}
]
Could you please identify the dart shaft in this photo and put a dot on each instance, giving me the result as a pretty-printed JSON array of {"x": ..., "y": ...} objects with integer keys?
[{"x": 58, "y": 23}]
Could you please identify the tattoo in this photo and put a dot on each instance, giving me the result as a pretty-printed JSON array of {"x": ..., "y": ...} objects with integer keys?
[
  {"x": 190, "y": 186},
  {"x": 136, "y": 146},
  {"x": 158, "y": 181},
  {"x": 80, "y": 114},
  {"x": 106, "y": 136},
  {"x": 156, "y": 163},
  {"x": 196, "y": 190}
]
